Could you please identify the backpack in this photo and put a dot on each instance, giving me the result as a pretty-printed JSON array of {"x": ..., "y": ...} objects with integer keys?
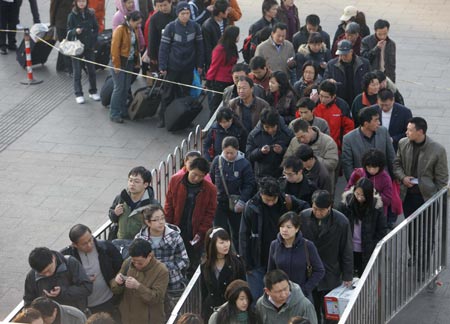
[{"x": 249, "y": 48}]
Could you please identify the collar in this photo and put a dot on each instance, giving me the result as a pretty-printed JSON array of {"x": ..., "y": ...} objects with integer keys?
[{"x": 242, "y": 104}]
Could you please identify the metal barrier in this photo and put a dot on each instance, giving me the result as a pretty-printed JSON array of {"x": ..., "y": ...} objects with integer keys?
[{"x": 403, "y": 263}]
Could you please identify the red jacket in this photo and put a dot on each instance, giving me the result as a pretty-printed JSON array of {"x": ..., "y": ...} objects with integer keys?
[
  {"x": 204, "y": 210},
  {"x": 220, "y": 69}
]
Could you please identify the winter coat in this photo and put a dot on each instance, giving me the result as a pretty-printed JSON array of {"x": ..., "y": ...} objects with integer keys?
[
  {"x": 256, "y": 107},
  {"x": 214, "y": 319},
  {"x": 333, "y": 240},
  {"x": 283, "y": 16},
  {"x": 362, "y": 100},
  {"x": 276, "y": 60},
  {"x": 158, "y": 22},
  {"x": 356, "y": 46},
  {"x": 70, "y": 315},
  {"x": 212, "y": 144},
  {"x": 304, "y": 89},
  {"x": 303, "y": 35},
  {"x": 317, "y": 122},
  {"x": 211, "y": 35},
  {"x": 99, "y": 8},
  {"x": 370, "y": 51},
  {"x": 286, "y": 105},
  {"x": 119, "y": 19},
  {"x": 88, "y": 24},
  {"x": 261, "y": 24},
  {"x": 234, "y": 13},
  {"x": 199, "y": 13},
  {"x": 304, "y": 54},
  {"x": 400, "y": 116},
  {"x": 320, "y": 176},
  {"x": 364, "y": 30},
  {"x": 69, "y": 275},
  {"x": 294, "y": 261},
  {"x": 59, "y": 11},
  {"x": 121, "y": 46},
  {"x": 219, "y": 67},
  {"x": 230, "y": 93},
  {"x": 296, "y": 305}
]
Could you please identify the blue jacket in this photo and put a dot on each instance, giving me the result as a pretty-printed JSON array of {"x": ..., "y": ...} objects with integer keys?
[{"x": 212, "y": 145}]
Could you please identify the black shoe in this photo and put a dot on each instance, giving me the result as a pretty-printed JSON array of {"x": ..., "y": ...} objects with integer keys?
[
  {"x": 12, "y": 47},
  {"x": 161, "y": 124},
  {"x": 3, "y": 51},
  {"x": 117, "y": 120}
]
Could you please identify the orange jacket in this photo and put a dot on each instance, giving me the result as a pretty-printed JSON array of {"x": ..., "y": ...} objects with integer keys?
[
  {"x": 120, "y": 46},
  {"x": 235, "y": 12},
  {"x": 99, "y": 7}
]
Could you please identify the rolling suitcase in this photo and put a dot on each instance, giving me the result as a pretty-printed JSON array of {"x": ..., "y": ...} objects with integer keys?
[
  {"x": 182, "y": 111},
  {"x": 106, "y": 91},
  {"x": 102, "y": 49},
  {"x": 39, "y": 50},
  {"x": 145, "y": 102}
]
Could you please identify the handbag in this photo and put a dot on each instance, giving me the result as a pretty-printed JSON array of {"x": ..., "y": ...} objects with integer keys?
[
  {"x": 71, "y": 48},
  {"x": 232, "y": 199},
  {"x": 309, "y": 268}
]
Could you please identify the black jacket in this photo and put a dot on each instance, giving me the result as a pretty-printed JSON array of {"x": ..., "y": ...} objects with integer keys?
[
  {"x": 398, "y": 123},
  {"x": 212, "y": 145},
  {"x": 301, "y": 37},
  {"x": 261, "y": 24},
  {"x": 88, "y": 24},
  {"x": 211, "y": 36},
  {"x": 158, "y": 22}
]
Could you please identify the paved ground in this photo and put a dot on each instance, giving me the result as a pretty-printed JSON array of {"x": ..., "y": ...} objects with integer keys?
[{"x": 70, "y": 161}]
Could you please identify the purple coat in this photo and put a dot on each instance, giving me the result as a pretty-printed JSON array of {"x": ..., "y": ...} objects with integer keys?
[{"x": 119, "y": 18}]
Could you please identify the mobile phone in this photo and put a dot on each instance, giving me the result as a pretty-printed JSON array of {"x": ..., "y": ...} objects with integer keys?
[
  {"x": 414, "y": 181},
  {"x": 123, "y": 276},
  {"x": 313, "y": 91}
]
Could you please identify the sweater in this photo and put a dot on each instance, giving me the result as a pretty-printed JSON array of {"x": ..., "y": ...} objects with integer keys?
[{"x": 276, "y": 60}]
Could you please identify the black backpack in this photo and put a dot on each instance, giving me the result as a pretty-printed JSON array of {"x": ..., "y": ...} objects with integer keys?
[{"x": 249, "y": 48}]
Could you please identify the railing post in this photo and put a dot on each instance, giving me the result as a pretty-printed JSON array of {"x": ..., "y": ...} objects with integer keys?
[{"x": 30, "y": 80}]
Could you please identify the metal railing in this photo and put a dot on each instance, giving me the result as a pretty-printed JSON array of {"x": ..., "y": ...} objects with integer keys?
[{"x": 403, "y": 263}]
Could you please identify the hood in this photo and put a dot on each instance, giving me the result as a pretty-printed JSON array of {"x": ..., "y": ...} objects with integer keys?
[
  {"x": 121, "y": 7},
  {"x": 298, "y": 239},
  {"x": 169, "y": 230},
  {"x": 239, "y": 156},
  {"x": 304, "y": 49},
  {"x": 295, "y": 298},
  {"x": 347, "y": 195}
]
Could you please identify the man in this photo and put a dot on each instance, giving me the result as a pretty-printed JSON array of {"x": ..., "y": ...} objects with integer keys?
[
  {"x": 394, "y": 116},
  {"x": 259, "y": 227},
  {"x": 191, "y": 205},
  {"x": 347, "y": 71},
  {"x": 312, "y": 25},
  {"x": 314, "y": 171},
  {"x": 386, "y": 83},
  {"x": 181, "y": 50},
  {"x": 59, "y": 11},
  {"x": 101, "y": 260},
  {"x": 60, "y": 278},
  {"x": 360, "y": 140},
  {"x": 247, "y": 106},
  {"x": 9, "y": 18},
  {"x": 305, "y": 107},
  {"x": 269, "y": 12},
  {"x": 294, "y": 182},
  {"x": 213, "y": 28},
  {"x": 260, "y": 72},
  {"x": 351, "y": 34},
  {"x": 330, "y": 232},
  {"x": 276, "y": 50},
  {"x": 55, "y": 313},
  {"x": 335, "y": 111},
  {"x": 126, "y": 209},
  {"x": 380, "y": 50},
  {"x": 282, "y": 300},
  {"x": 267, "y": 143},
  {"x": 142, "y": 282}
]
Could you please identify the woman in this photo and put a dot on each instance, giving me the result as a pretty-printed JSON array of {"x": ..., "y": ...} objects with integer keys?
[
  {"x": 188, "y": 158},
  {"x": 220, "y": 268},
  {"x": 288, "y": 13},
  {"x": 309, "y": 80},
  {"x": 124, "y": 8},
  {"x": 282, "y": 96},
  {"x": 290, "y": 252},
  {"x": 59, "y": 11},
  {"x": 237, "y": 309},
  {"x": 352, "y": 14},
  {"x": 29, "y": 315},
  {"x": 125, "y": 56},
  {"x": 226, "y": 124},
  {"x": 82, "y": 25},
  {"x": 316, "y": 51},
  {"x": 233, "y": 176},
  {"x": 364, "y": 210},
  {"x": 371, "y": 86},
  {"x": 224, "y": 57}
]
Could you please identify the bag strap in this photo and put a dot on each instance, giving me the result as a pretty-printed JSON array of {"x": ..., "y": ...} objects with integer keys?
[
  {"x": 222, "y": 176},
  {"x": 308, "y": 262}
]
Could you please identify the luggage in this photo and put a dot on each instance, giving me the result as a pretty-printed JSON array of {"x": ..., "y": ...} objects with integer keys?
[
  {"x": 106, "y": 91},
  {"x": 182, "y": 111},
  {"x": 102, "y": 49},
  {"x": 39, "y": 50},
  {"x": 145, "y": 102}
]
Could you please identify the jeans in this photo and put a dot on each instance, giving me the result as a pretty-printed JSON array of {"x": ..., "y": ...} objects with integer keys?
[
  {"x": 76, "y": 65},
  {"x": 122, "y": 82},
  {"x": 9, "y": 18},
  {"x": 255, "y": 279}
]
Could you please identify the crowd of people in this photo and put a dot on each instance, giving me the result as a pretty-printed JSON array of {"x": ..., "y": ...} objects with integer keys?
[{"x": 255, "y": 209}]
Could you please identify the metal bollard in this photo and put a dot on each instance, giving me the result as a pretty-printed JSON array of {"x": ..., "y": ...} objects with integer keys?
[{"x": 30, "y": 80}]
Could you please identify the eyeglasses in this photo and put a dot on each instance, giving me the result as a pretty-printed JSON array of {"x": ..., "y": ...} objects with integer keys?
[{"x": 159, "y": 219}]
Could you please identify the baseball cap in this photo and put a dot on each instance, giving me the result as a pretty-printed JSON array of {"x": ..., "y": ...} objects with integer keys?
[
  {"x": 349, "y": 12},
  {"x": 344, "y": 47}
]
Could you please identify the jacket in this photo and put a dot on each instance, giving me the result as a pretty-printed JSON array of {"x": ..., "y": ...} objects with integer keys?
[
  {"x": 304, "y": 54},
  {"x": 432, "y": 167},
  {"x": 400, "y": 116},
  {"x": 213, "y": 289},
  {"x": 230, "y": 92},
  {"x": 302, "y": 36},
  {"x": 362, "y": 100},
  {"x": 212, "y": 144},
  {"x": 294, "y": 261},
  {"x": 264, "y": 82},
  {"x": 119, "y": 19},
  {"x": 283, "y": 16},
  {"x": 59, "y": 11},
  {"x": 214, "y": 319},
  {"x": 120, "y": 47},
  {"x": 370, "y": 51},
  {"x": 354, "y": 147},
  {"x": 69, "y": 275},
  {"x": 88, "y": 24},
  {"x": 157, "y": 24},
  {"x": 171, "y": 252},
  {"x": 204, "y": 209},
  {"x": 317, "y": 122},
  {"x": 144, "y": 305},
  {"x": 276, "y": 60},
  {"x": 356, "y": 45},
  {"x": 70, "y": 315},
  {"x": 211, "y": 35},
  {"x": 250, "y": 232},
  {"x": 320, "y": 176},
  {"x": 267, "y": 164},
  {"x": 238, "y": 176},
  {"x": 373, "y": 224},
  {"x": 131, "y": 221},
  {"x": 219, "y": 67},
  {"x": 296, "y": 305},
  {"x": 285, "y": 105},
  {"x": 99, "y": 8},
  {"x": 364, "y": 30},
  {"x": 255, "y": 107},
  {"x": 261, "y": 24},
  {"x": 333, "y": 240}
]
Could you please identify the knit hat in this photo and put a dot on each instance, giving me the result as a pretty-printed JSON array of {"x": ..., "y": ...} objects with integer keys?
[
  {"x": 349, "y": 12},
  {"x": 182, "y": 5},
  {"x": 234, "y": 286}
]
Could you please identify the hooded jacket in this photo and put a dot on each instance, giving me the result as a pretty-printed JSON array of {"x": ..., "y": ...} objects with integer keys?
[
  {"x": 70, "y": 315},
  {"x": 304, "y": 54},
  {"x": 89, "y": 28},
  {"x": 302, "y": 36},
  {"x": 119, "y": 19},
  {"x": 212, "y": 145}
]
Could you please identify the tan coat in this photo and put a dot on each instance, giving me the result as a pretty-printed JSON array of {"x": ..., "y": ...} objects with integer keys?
[
  {"x": 276, "y": 61},
  {"x": 120, "y": 47}
]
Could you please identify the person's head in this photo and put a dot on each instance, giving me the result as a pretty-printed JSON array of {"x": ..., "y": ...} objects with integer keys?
[
  {"x": 363, "y": 191},
  {"x": 189, "y": 318},
  {"x": 289, "y": 225},
  {"x": 43, "y": 261},
  {"x": 279, "y": 81},
  {"x": 369, "y": 118},
  {"x": 293, "y": 169},
  {"x": 140, "y": 252},
  {"x": 327, "y": 92},
  {"x": 198, "y": 170},
  {"x": 305, "y": 107},
  {"x": 416, "y": 129},
  {"x": 134, "y": 19},
  {"x": 29, "y": 315},
  {"x": 269, "y": 120},
  {"x": 239, "y": 70},
  {"x": 183, "y": 12},
  {"x": 100, "y": 318},
  {"x": 230, "y": 147},
  {"x": 269, "y": 9},
  {"x": 321, "y": 203},
  {"x": 381, "y": 78},
  {"x": 370, "y": 84},
  {"x": 189, "y": 157},
  {"x": 385, "y": 99},
  {"x": 224, "y": 117},
  {"x": 80, "y": 5},
  {"x": 238, "y": 295},
  {"x": 373, "y": 161},
  {"x": 298, "y": 320},
  {"x": 345, "y": 51},
  {"x": 165, "y": 6},
  {"x": 154, "y": 218},
  {"x": 128, "y": 5},
  {"x": 217, "y": 244},
  {"x": 139, "y": 179},
  {"x": 277, "y": 286},
  {"x": 352, "y": 32},
  {"x": 303, "y": 131},
  {"x": 315, "y": 41},
  {"x": 47, "y": 307},
  {"x": 381, "y": 28},
  {"x": 306, "y": 154},
  {"x": 287, "y": 3},
  {"x": 245, "y": 88},
  {"x": 220, "y": 8},
  {"x": 349, "y": 13},
  {"x": 279, "y": 33},
  {"x": 312, "y": 23},
  {"x": 258, "y": 67},
  {"x": 82, "y": 239},
  {"x": 269, "y": 190},
  {"x": 310, "y": 71},
  {"x": 229, "y": 38}
]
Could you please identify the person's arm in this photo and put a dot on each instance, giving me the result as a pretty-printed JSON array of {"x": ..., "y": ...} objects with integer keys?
[
  {"x": 217, "y": 60},
  {"x": 318, "y": 270},
  {"x": 156, "y": 292},
  {"x": 209, "y": 210},
  {"x": 441, "y": 170},
  {"x": 390, "y": 153},
  {"x": 347, "y": 158},
  {"x": 367, "y": 51},
  {"x": 244, "y": 234},
  {"x": 116, "y": 44},
  {"x": 164, "y": 47},
  {"x": 81, "y": 286},
  {"x": 271, "y": 259},
  {"x": 112, "y": 215},
  {"x": 331, "y": 157},
  {"x": 30, "y": 293},
  {"x": 252, "y": 151},
  {"x": 208, "y": 44},
  {"x": 116, "y": 257},
  {"x": 346, "y": 253},
  {"x": 248, "y": 183},
  {"x": 381, "y": 224}
]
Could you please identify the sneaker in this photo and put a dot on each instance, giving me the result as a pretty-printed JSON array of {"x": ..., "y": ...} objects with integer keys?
[
  {"x": 3, "y": 51},
  {"x": 94, "y": 96},
  {"x": 79, "y": 100},
  {"x": 117, "y": 120}
]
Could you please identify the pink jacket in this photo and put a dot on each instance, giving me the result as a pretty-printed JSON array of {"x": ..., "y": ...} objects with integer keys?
[{"x": 119, "y": 18}]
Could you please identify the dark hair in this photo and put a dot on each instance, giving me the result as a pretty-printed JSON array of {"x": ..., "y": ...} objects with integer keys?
[
  {"x": 367, "y": 80},
  {"x": 161, "y": 1},
  {"x": 269, "y": 117},
  {"x": 321, "y": 197},
  {"x": 257, "y": 62},
  {"x": 291, "y": 216},
  {"x": 304, "y": 152},
  {"x": 269, "y": 186},
  {"x": 273, "y": 277},
  {"x": 366, "y": 114},
  {"x": 220, "y": 6},
  {"x": 381, "y": 23},
  {"x": 313, "y": 19},
  {"x": 140, "y": 248},
  {"x": 298, "y": 320},
  {"x": 284, "y": 84},
  {"x": 367, "y": 188},
  {"x": 385, "y": 94},
  {"x": 148, "y": 212},
  {"x": 360, "y": 18},
  {"x": 267, "y": 4},
  {"x": 314, "y": 65},
  {"x": 380, "y": 75},
  {"x": 306, "y": 102},
  {"x": 193, "y": 153},
  {"x": 27, "y": 315},
  {"x": 240, "y": 67},
  {"x": 40, "y": 258},
  {"x": 328, "y": 86},
  {"x": 200, "y": 164},
  {"x": 45, "y": 306},
  {"x": 300, "y": 125},
  {"x": 228, "y": 41},
  {"x": 224, "y": 114},
  {"x": 145, "y": 174},
  {"x": 246, "y": 79},
  {"x": 419, "y": 124},
  {"x": 100, "y": 318},
  {"x": 230, "y": 141},
  {"x": 76, "y": 8},
  {"x": 77, "y": 231},
  {"x": 263, "y": 34},
  {"x": 374, "y": 158},
  {"x": 293, "y": 163},
  {"x": 229, "y": 311},
  {"x": 135, "y": 16},
  {"x": 280, "y": 26},
  {"x": 315, "y": 38},
  {"x": 189, "y": 318}
]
